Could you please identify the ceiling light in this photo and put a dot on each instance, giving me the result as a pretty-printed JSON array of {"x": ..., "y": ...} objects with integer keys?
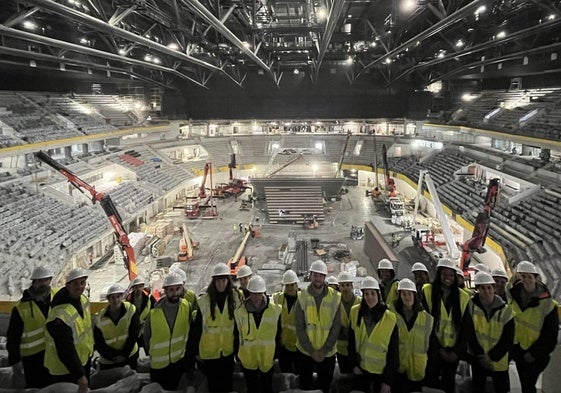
[
  {"x": 459, "y": 44},
  {"x": 173, "y": 45},
  {"x": 480, "y": 10},
  {"x": 501, "y": 34},
  {"x": 373, "y": 44},
  {"x": 321, "y": 14},
  {"x": 467, "y": 97},
  {"x": 408, "y": 5},
  {"x": 122, "y": 51},
  {"x": 296, "y": 71},
  {"x": 551, "y": 16},
  {"x": 29, "y": 25},
  {"x": 156, "y": 60},
  {"x": 440, "y": 55},
  {"x": 147, "y": 58},
  {"x": 388, "y": 60},
  {"x": 246, "y": 44},
  {"x": 349, "y": 60}
]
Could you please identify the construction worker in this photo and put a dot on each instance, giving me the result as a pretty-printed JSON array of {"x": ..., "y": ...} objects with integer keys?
[
  {"x": 415, "y": 337},
  {"x": 461, "y": 282},
  {"x": 166, "y": 333},
  {"x": 140, "y": 298},
  {"x": 186, "y": 293},
  {"x": 257, "y": 333},
  {"x": 69, "y": 339},
  {"x": 318, "y": 321},
  {"x": 333, "y": 283},
  {"x": 26, "y": 331},
  {"x": 501, "y": 279},
  {"x": 373, "y": 341},
  {"x": 243, "y": 275},
  {"x": 388, "y": 282},
  {"x": 447, "y": 303},
  {"x": 420, "y": 275},
  {"x": 493, "y": 337},
  {"x": 116, "y": 331},
  {"x": 348, "y": 300},
  {"x": 286, "y": 352},
  {"x": 213, "y": 330},
  {"x": 536, "y": 322}
]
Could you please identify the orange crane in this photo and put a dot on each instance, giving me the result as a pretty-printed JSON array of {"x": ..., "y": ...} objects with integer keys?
[
  {"x": 238, "y": 260},
  {"x": 186, "y": 245}
]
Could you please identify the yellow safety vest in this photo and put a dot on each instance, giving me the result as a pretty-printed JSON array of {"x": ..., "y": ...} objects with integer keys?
[
  {"x": 373, "y": 347},
  {"x": 343, "y": 343},
  {"x": 257, "y": 345},
  {"x": 33, "y": 334},
  {"x": 319, "y": 322},
  {"x": 168, "y": 345},
  {"x": 288, "y": 324},
  {"x": 115, "y": 336},
  {"x": 528, "y": 323},
  {"x": 392, "y": 295},
  {"x": 489, "y": 332},
  {"x": 446, "y": 332},
  {"x": 414, "y": 344},
  {"x": 217, "y": 338},
  {"x": 82, "y": 335}
]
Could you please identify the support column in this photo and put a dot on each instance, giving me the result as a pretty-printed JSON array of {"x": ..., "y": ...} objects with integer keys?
[
  {"x": 85, "y": 149},
  {"x": 68, "y": 152}
]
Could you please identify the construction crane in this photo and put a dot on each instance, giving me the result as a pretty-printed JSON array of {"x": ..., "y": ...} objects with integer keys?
[
  {"x": 238, "y": 260},
  {"x": 343, "y": 151},
  {"x": 186, "y": 245},
  {"x": 481, "y": 227},
  {"x": 390, "y": 183},
  {"x": 299, "y": 157},
  {"x": 106, "y": 204}
]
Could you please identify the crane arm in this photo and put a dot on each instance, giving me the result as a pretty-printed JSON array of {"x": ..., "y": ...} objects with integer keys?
[
  {"x": 340, "y": 164},
  {"x": 300, "y": 156},
  {"x": 202, "y": 189},
  {"x": 106, "y": 204}
]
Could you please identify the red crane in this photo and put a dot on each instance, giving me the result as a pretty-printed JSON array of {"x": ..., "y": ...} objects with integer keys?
[
  {"x": 108, "y": 207},
  {"x": 390, "y": 183}
]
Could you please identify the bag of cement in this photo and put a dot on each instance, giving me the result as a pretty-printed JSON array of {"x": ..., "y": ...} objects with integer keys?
[
  {"x": 130, "y": 384},
  {"x": 103, "y": 378}
]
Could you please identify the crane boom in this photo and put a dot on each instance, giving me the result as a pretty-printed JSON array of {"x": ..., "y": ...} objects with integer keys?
[
  {"x": 106, "y": 204},
  {"x": 340, "y": 164},
  {"x": 300, "y": 156}
]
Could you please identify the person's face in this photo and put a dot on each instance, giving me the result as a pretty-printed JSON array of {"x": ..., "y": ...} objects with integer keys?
[
  {"x": 244, "y": 281},
  {"x": 221, "y": 282},
  {"x": 256, "y": 298},
  {"x": 529, "y": 281},
  {"x": 42, "y": 285},
  {"x": 115, "y": 300},
  {"x": 173, "y": 292},
  {"x": 291, "y": 289},
  {"x": 385, "y": 274},
  {"x": 317, "y": 280},
  {"x": 447, "y": 276},
  {"x": 76, "y": 287},
  {"x": 486, "y": 292},
  {"x": 346, "y": 288},
  {"x": 408, "y": 298},
  {"x": 421, "y": 276},
  {"x": 500, "y": 285},
  {"x": 370, "y": 297}
]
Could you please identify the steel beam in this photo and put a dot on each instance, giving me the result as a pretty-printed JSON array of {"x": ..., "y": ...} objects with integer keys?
[{"x": 334, "y": 14}]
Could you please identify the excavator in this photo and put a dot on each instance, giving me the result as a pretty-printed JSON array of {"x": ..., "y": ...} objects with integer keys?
[
  {"x": 186, "y": 245},
  {"x": 481, "y": 227},
  {"x": 106, "y": 204}
]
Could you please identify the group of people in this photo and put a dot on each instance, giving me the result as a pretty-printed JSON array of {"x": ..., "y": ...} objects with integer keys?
[{"x": 398, "y": 336}]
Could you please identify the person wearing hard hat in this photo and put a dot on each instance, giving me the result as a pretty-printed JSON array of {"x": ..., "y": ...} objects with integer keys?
[
  {"x": 166, "y": 334},
  {"x": 116, "y": 331},
  {"x": 373, "y": 341},
  {"x": 462, "y": 283},
  {"x": 415, "y": 331},
  {"x": 348, "y": 300},
  {"x": 333, "y": 283},
  {"x": 186, "y": 293},
  {"x": 388, "y": 282},
  {"x": 243, "y": 275},
  {"x": 493, "y": 336},
  {"x": 420, "y": 275},
  {"x": 213, "y": 330},
  {"x": 257, "y": 334},
  {"x": 447, "y": 303},
  {"x": 536, "y": 322},
  {"x": 318, "y": 321},
  {"x": 69, "y": 340},
  {"x": 287, "y": 299},
  {"x": 501, "y": 279},
  {"x": 26, "y": 330},
  {"x": 140, "y": 298}
]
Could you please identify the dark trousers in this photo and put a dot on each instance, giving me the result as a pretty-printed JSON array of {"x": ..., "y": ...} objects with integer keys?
[
  {"x": 345, "y": 366},
  {"x": 219, "y": 373},
  {"x": 529, "y": 372},
  {"x": 132, "y": 362},
  {"x": 479, "y": 379},
  {"x": 36, "y": 374},
  {"x": 324, "y": 369},
  {"x": 440, "y": 374},
  {"x": 367, "y": 382},
  {"x": 405, "y": 385},
  {"x": 69, "y": 377},
  {"x": 169, "y": 376},
  {"x": 257, "y": 381},
  {"x": 288, "y": 360}
]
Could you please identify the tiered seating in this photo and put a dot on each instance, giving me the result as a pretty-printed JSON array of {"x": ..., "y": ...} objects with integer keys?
[
  {"x": 110, "y": 107},
  {"x": 292, "y": 204},
  {"x": 131, "y": 197}
]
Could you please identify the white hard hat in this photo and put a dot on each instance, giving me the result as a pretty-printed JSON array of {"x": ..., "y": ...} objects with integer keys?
[
  {"x": 445, "y": 262},
  {"x": 369, "y": 283},
  {"x": 172, "y": 279},
  {"x": 76, "y": 273},
  {"x": 499, "y": 273},
  {"x": 319, "y": 267},
  {"x": 256, "y": 284},
  {"x": 385, "y": 264},
  {"x": 419, "y": 267},
  {"x": 41, "y": 272},
  {"x": 115, "y": 288},
  {"x": 220, "y": 269},
  {"x": 481, "y": 267},
  {"x": 174, "y": 269},
  {"x": 482, "y": 278},
  {"x": 244, "y": 271},
  {"x": 137, "y": 281},
  {"x": 345, "y": 277},
  {"x": 406, "y": 284},
  {"x": 289, "y": 277},
  {"x": 526, "y": 267},
  {"x": 332, "y": 280}
]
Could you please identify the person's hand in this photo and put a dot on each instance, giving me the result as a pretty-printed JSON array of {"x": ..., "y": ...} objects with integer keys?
[
  {"x": 357, "y": 370},
  {"x": 485, "y": 362},
  {"x": 318, "y": 355},
  {"x": 83, "y": 385},
  {"x": 385, "y": 388},
  {"x": 448, "y": 356},
  {"x": 17, "y": 368},
  {"x": 528, "y": 358}
]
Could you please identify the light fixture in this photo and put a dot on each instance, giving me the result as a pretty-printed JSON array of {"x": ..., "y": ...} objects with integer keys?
[
  {"x": 349, "y": 60},
  {"x": 122, "y": 51},
  {"x": 29, "y": 25},
  {"x": 173, "y": 45},
  {"x": 296, "y": 71},
  {"x": 551, "y": 16},
  {"x": 459, "y": 44},
  {"x": 388, "y": 60},
  {"x": 501, "y": 34},
  {"x": 408, "y": 5},
  {"x": 321, "y": 14},
  {"x": 246, "y": 44},
  {"x": 480, "y": 10},
  {"x": 156, "y": 60}
]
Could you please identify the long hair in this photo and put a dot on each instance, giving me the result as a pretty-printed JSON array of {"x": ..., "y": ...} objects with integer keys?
[
  {"x": 417, "y": 305},
  {"x": 454, "y": 299},
  {"x": 364, "y": 309},
  {"x": 213, "y": 294}
]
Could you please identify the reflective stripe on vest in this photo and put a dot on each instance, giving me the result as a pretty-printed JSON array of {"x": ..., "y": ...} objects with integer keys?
[
  {"x": 115, "y": 336},
  {"x": 343, "y": 340},
  {"x": 33, "y": 334},
  {"x": 528, "y": 323},
  {"x": 82, "y": 335},
  {"x": 446, "y": 332},
  {"x": 217, "y": 338},
  {"x": 489, "y": 332},
  {"x": 257, "y": 345},
  {"x": 318, "y": 323},
  {"x": 288, "y": 322},
  {"x": 414, "y": 344},
  {"x": 373, "y": 348},
  {"x": 168, "y": 346}
]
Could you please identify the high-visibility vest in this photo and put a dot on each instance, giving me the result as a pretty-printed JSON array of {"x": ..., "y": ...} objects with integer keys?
[
  {"x": 373, "y": 347},
  {"x": 82, "y": 335},
  {"x": 489, "y": 332},
  {"x": 167, "y": 345},
  {"x": 217, "y": 338},
  {"x": 318, "y": 323},
  {"x": 391, "y": 295},
  {"x": 257, "y": 344},
  {"x": 414, "y": 344},
  {"x": 288, "y": 322},
  {"x": 34, "y": 322},
  {"x": 446, "y": 332},
  {"x": 528, "y": 323},
  {"x": 146, "y": 310},
  {"x": 115, "y": 336},
  {"x": 343, "y": 341}
]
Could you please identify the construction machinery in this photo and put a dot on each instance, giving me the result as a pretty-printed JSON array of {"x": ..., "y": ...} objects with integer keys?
[
  {"x": 238, "y": 260},
  {"x": 342, "y": 157},
  {"x": 299, "y": 157},
  {"x": 310, "y": 221},
  {"x": 186, "y": 245},
  {"x": 106, "y": 204},
  {"x": 390, "y": 183}
]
